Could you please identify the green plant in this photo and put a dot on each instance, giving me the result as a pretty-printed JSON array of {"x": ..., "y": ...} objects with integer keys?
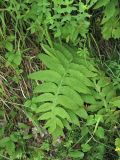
[
  {"x": 67, "y": 20},
  {"x": 60, "y": 101},
  {"x": 72, "y": 89},
  {"x": 113, "y": 70},
  {"x": 73, "y": 111},
  {"x": 13, "y": 145},
  {"x": 111, "y": 18}
]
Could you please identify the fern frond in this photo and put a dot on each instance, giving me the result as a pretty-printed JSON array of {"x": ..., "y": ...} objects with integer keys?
[{"x": 65, "y": 81}]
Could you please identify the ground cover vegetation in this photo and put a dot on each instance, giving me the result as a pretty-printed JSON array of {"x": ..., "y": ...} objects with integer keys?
[{"x": 59, "y": 80}]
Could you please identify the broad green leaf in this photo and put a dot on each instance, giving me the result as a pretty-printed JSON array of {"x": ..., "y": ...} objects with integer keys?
[
  {"x": 59, "y": 123},
  {"x": 76, "y": 85},
  {"x": 74, "y": 118},
  {"x": 82, "y": 69},
  {"x": 47, "y": 75},
  {"x": 46, "y": 116},
  {"x": 66, "y": 90},
  {"x": 57, "y": 133},
  {"x": 44, "y": 107},
  {"x": 45, "y": 97},
  {"x": 52, "y": 63},
  {"x": 83, "y": 79},
  {"x": 52, "y": 125},
  {"x": 61, "y": 113},
  {"x": 63, "y": 60},
  {"x": 65, "y": 51},
  {"x": 81, "y": 112},
  {"x": 105, "y": 32},
  {"x": 46, "y": 87},
  {"x": 90, "y": 99},
  {"x": 48, "y": 50},
  {"x": 66, "y": 124},
  {"x": 66, "y": 102}
]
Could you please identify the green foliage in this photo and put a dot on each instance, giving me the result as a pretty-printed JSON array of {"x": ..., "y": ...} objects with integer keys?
[
  {"x": 60, "y": 101},
  {"x": 70, "y": 96},
  {"x": 73, "y": 90},
  {"x": 110, "y": 22},
  {"x": 65, "y": 19},
  {"x": 13, "y": 146}
]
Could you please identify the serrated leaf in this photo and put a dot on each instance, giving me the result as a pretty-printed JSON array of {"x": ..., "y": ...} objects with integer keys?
[
  {"x": 74, "y": 118},
  {"x": 57, "y": 133},
  {"x": 44, "y": 107},
  {"x": 83, "y": 79},
  {"x": 66, "y": 102},
  {"x": 47, "y": 75},
  {"x": 90, "y": 99},
  {"x": 61, "y": 48},
  {"x": 59, "y": 123},
  {"x": 52, "y": 126},
  {"x": 43, "y": 98},
  {"x": 66, "y": 124},
  {"x": 45, "y": 116},
  {"x": 81, "y": 112},
  {"x": 52, "y": 63},
  {"x": 64, "y": 61},
  {"x": 46, "y": 87},
  {"x": 48, "y": 50},
  {"x": 76, "y": 85},
  {"x": 66, "y": 90},
  {"x": 61, "y": 113}
]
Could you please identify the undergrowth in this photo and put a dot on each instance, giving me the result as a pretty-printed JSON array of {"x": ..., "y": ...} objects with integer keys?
[{"x": 59, "y": 80}]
